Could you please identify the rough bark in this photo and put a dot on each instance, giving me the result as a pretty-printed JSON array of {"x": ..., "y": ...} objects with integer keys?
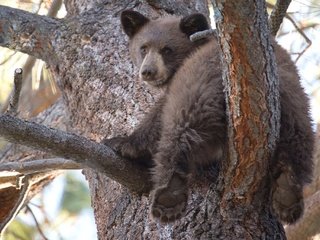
[{"x": 252, "y": 94}]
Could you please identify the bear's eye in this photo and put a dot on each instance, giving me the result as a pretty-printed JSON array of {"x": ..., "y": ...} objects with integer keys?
[
  {"x": 166, "y": 50},
  {"x": 143, "y": 50}
]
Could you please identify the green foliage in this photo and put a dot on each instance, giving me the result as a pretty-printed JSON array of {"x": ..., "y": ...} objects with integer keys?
[
  {"x": 20, "y": 230},
  {"x": 76, "y": 195}
]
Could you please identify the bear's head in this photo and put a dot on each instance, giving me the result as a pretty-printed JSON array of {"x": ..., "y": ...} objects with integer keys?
[{"x": 159, "y": 47}]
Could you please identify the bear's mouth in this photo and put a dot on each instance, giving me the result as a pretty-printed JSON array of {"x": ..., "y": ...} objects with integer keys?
[{"x": 158, "y": 82}]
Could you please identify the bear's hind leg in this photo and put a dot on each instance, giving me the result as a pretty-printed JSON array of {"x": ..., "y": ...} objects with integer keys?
[
  {"x": 169, "y": 201},
  {"x": 293, "y": 161},
  {"x": 287, "y": 197},
  {"x": 170, "y": 175},
  {"x": 178, "y": 156}
]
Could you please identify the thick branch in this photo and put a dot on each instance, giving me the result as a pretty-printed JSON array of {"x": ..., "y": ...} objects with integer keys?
[
  {"x": 70, "y": 146},
  {"x": 26, "y": 32}
]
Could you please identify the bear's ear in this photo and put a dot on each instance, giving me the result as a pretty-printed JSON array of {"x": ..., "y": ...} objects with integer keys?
[
  {"x": 194, "y": 23},
  {"x": 132, "y": 21}
]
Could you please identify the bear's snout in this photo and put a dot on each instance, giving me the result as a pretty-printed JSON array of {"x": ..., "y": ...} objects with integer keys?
[{"x": 148, "y": 73}]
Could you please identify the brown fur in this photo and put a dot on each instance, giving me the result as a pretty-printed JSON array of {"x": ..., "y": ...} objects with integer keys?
[{"x": 187, "y": 128}]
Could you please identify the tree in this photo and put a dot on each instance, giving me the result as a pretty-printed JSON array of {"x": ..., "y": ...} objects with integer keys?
[{"x": 87, "y": 53}]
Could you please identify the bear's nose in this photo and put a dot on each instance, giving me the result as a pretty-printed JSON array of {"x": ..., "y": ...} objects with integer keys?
[{"x": 149, "y": 73}]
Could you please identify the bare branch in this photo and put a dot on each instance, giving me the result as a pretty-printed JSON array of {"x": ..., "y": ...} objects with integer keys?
[
  {"x": 27, "y": 67},
  {"x": 70, "y": 146},
  {"x": 277, "y": 15},
  {"x": 41, "y": 165},
  {"x": 14, "y": 99},
  {"x": 37, "y": 223},
  {"x": 26, "y": 32},
  {"x": 302, "y": 34},
  {"x": 298, "y": 29}
]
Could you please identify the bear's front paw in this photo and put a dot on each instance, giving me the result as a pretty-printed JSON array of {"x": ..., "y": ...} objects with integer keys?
[
  {"x": 169, "y": 202},
  {"x": 129, "y": 148},
  {"x": 123, "y": 146},
  {"x": 289, "y": 214},
  {"x": 114, "y": 143},
  {"x": 287, "y": 198}
]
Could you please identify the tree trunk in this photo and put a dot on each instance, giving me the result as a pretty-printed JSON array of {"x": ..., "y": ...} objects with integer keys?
[
  {"x": 252, "y": 90},
  {"x": 88, "y": 54}
]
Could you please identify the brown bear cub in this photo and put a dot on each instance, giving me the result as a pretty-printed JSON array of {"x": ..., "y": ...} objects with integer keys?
[{"x": 187, "y": 127}]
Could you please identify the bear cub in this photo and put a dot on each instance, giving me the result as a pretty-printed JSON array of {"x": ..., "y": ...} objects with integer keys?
[{"x": 187, "y": 128}]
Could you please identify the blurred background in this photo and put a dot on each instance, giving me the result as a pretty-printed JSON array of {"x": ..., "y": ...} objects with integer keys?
[{"x": 67, "y": 212}]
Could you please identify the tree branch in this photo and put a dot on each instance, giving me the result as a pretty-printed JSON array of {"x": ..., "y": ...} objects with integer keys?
[
  {"x": 276, "y": 19},
  {"x": 277, "y": 15},
  {"x": 308, "y": 41},
  {"x": 37, "y": 223},
  {"x": 14, "y": 99},
  {"x": 40, "y": 165},
  {"x": 28, "y": 33},
  {"x": 70, "y": 146}
]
